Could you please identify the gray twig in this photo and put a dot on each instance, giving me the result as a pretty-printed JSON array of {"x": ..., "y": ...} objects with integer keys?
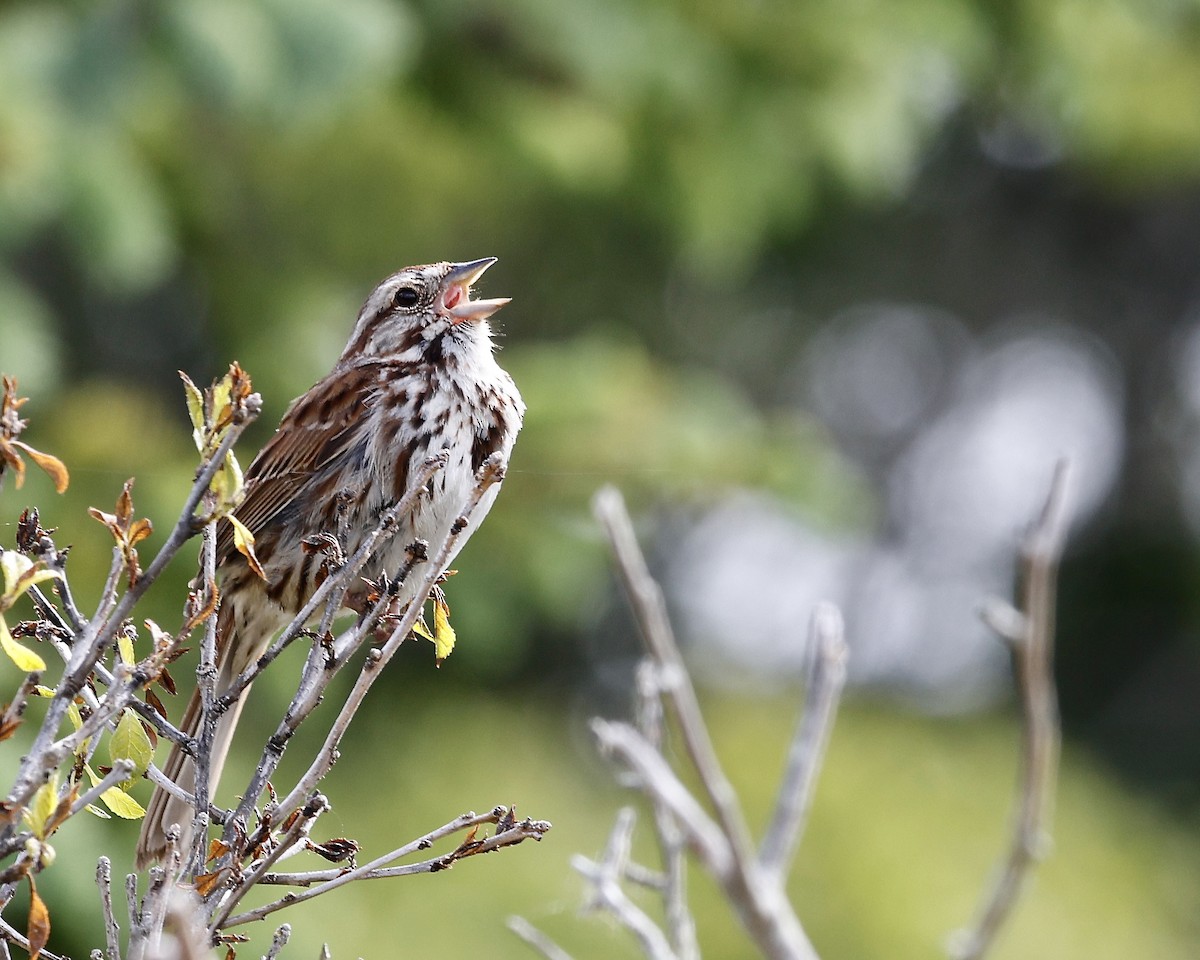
[
  {"x": 536, "y": 939},
  {"x": 112, "y": 930},
  {"x": 1031, "y": 641},
  {"x": 377, "y": 869},
  {"x": 279, "y": 941},
  {"x": 607, "y": 894},
  {"x": 826, "y": 677}
]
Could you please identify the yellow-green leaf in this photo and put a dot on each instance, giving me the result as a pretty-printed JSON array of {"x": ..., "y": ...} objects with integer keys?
[
  {"x": 14, "y": 566},
  {"x": 41, "y": 690},
  {"x": 122, "y": 804},
  {"x": 421, "y": 630},
  {"x": 195, "y": 405},
  {"x": 243, "y": 539},
  {"x": 443, "y": 633},
  {"x": 95, "y": 811},
  {"x": 42, "y": 806},
  {"x": 125, "y": 647},
  {"x": 130, "y": 742},
  {"x": 22, "y": 656},
  {"x": 76, "y": 719}
]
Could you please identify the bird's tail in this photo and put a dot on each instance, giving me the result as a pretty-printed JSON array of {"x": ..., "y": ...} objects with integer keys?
[{"x": 165, "y": 808}]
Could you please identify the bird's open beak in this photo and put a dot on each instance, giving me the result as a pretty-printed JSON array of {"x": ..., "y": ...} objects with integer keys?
[{"x": 456, "y": 302}]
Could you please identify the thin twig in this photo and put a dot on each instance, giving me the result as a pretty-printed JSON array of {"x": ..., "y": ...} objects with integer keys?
[
  {"x": 13, "y": 935},
  {"x": 650, "y": 612},
  {"x": 136, "y": 947},
  {"x": 536, "y": 939},
  {"x": 681, "y": 926},
  {"x": 206, "y": 682},
  {"x": 827, "y": 676},
  {"x": 298, "y": 830},
  {"x": 279, "y": 941},
  {"x": 657, "y": 780},
  {"x": 607, "y": 893},
  {"x": 112, "y": 930},
  {"x": 490, "y": 473},
  {"x": 517, "y": 833},
  {"x": 1033, "y": 662}
]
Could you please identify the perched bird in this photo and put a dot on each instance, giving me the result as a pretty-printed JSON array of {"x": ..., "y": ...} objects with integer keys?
[{"x": 417, "y": 376}]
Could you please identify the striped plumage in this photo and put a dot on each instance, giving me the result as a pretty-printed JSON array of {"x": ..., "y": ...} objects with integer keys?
[{"x": 418, "y": 375}]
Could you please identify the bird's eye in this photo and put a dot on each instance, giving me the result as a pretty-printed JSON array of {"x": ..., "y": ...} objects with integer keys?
[{"x": 406, "y": 297}]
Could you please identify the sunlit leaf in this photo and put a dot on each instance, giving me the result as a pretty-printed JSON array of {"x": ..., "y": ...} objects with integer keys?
[
  {"x": 243, "y": 539},
  {"x": 125, "y": 647},
  {"x": 22, "y": 656},
  {"x": 195, "y": 406},
  {"x": 422, "y": 631},
  {"x": 122, "y": 804},
  {"x": 41, "y": 808},
  {"x": 129, "y": 742},
  {"x": 443, "y": 633},
  {"x": 95, "y": 811},
  {"x": 13, "y": 565}
]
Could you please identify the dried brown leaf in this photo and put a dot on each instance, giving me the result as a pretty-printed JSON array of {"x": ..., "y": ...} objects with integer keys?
[
  {"x": 38, "y": 930},
  {"x": 54, "y": 468}
]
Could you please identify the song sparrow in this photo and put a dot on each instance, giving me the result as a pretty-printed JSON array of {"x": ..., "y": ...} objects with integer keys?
[{"x": 417, "y": 376}]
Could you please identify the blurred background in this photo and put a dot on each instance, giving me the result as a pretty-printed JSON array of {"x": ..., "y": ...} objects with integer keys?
[{"x": 825, "y": 288}]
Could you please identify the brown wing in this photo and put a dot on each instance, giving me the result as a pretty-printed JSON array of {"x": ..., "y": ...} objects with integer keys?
[{"x": 317, "y": 433}]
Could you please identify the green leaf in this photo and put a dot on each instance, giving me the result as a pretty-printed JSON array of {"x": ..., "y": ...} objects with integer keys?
[
  {"x": 130, "y": 742},
  {"x": 42, "y": 806},
  {"x": 23, "y": 657}
]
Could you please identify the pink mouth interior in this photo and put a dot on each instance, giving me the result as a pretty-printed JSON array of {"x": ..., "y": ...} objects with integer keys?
[{"x": 453, "y": 296}]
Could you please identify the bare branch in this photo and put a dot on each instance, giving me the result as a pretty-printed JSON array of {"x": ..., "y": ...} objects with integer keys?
[
  {"x": 490, "y": 473},
  {"x": 826, "y": 677},
  {"x": 607, "y": 893},
  {"x": 112, "y": 930},
  {"x": 10, "y": 934},
  {"x": 299, "y": 829},
  {"x": 759, "y": 898},
  {"x": 1033, "y": 662},
  {"x": 206, "y": 683},
  {"x": 681, "y": 927},
  {"x": 510, "y": 836},
  {"x": 658, "y": 781},
  {"x": 650, "y": 612},
  {"x": 279, "y": 941}
]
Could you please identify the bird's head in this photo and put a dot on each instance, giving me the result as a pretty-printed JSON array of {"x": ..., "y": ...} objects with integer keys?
[{"x": 418, "y": 306}]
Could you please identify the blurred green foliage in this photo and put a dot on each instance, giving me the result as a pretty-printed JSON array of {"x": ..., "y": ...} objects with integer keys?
[{"x": 183, "y": 184}]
